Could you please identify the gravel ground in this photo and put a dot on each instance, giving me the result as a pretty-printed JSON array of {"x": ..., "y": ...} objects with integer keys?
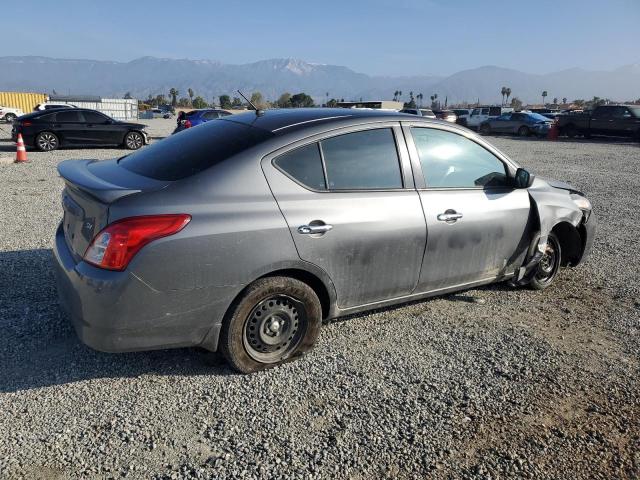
[{"x": 488, "y": 383}]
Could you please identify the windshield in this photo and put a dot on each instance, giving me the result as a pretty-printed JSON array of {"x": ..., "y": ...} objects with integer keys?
[{"x": 635, "y": 111}]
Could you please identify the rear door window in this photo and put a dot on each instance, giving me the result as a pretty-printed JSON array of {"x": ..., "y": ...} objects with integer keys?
[
  {"x": 366, "y": 160},
  {"x": 210, "y": 115},
  {"x": 69, "y": 116},
  {"x": 94, "y": 117},
  {"x": 195, "y": 150},
  {"x": 304, "y": 165}
]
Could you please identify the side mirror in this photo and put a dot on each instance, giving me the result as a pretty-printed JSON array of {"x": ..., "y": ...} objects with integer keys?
[{"x": 523, "y": 179}]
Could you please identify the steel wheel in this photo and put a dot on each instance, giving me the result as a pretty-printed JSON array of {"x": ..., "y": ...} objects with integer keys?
[
  {"x": 275, "y": 320},
  {"x": 10, "y": 117},
  {"x": 549, "y": 264},
  {"x": 47, "y": 141},
  {"x": 274, "y": 328},
  {"x": 523, "y": 131},
  {"x": 133, "y": 141}
]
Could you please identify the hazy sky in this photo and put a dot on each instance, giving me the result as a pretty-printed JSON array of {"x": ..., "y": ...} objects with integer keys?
[{"x": 387, "y": 37}]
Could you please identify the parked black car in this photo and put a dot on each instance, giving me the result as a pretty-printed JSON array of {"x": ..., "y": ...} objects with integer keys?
[
  {"x": 610, "y": 120},
  {"x": 49, "y": 130}
]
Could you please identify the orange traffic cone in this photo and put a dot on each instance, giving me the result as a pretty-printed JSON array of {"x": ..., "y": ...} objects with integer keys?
[{"x": 21, "y": 152}]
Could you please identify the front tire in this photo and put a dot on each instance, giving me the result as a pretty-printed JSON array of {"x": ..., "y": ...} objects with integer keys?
[
  {"x": 549, "y": 265},
  {"x": 47, "y": 141},
  {"x": 133, "y": 140},
  {"x": 275, "y": 320},
  {"x": 10, "y": 117},
  {"x": 523, "y": 131}
]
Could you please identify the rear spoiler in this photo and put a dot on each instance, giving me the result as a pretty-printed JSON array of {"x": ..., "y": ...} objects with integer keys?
[{"x": 99, "y": 179}]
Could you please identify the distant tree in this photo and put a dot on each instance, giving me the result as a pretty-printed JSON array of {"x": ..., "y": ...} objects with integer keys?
[
  {"x": 434, "y": 98},
  {"x": 579, "y": 103},
  {"x": 507, "y": 92},
  {"x": 225, "y": 101},
  {"x": 174, "y": 96},
  {"x": 236, "y": 102},
  {"x": 326, "y": 95},
  {"x": 411, "y": 103},
  {"x": 555, "y": 100},
  {"x": 544, "y": 95},
  {"x": 160, "y": 100},
  {"x": 503, "y": 92},
  {"x": 284, "y": 101},
  {"x": 199, "y": 102},
  {"x": 399, "y": 94},
  {"x": 420, "y": 96},
  {"x": 190, "y": 93},
  {"x": 257, "y": 100},
  {"x": 184, "y": 102},
  {"x": 127, "y": 96},
  {"x": 332, "y": 103},
  {"x": 516, "y": 103},
  {"x": 564, "y": 100},
  {"x": 597, "y": 101},
  {"x": 301, "y": 100}
]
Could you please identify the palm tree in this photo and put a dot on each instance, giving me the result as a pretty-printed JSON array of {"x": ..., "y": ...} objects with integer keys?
[
  {"x": 174, "y": 96},
  {"x": 555, "y": 100},
  {"x": 395, "y": 95},
  {"x": 190, "y": 92},
  {"x": 503, "y": 91},
  {"x": 399, "y": 94},
  {"x": 507, "y": 92},
  {"x": 564, "y": 100},
  {"x": 544, "y": 95}
]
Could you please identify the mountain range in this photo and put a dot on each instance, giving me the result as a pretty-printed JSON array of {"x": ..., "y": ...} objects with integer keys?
[{"x": 152, "y": 76}]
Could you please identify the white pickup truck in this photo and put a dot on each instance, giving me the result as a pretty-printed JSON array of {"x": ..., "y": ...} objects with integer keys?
[
  {"x": 480, "y": 114},
  {"x": 9, "y": 114}
]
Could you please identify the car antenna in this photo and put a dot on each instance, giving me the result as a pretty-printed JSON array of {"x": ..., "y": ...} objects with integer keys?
[{"x": 258, "y": 111}]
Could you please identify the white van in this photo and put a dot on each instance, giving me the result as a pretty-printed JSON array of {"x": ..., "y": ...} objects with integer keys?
[{"x": 480, "y": 114}]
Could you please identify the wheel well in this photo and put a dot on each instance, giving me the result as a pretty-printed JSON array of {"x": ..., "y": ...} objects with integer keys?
[
  {"x": 310, "y": 279},
  {"x": 570, "y": 243}
]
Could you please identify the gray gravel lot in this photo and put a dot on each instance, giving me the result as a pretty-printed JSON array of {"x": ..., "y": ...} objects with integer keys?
[{"x": 488, "y": 383}]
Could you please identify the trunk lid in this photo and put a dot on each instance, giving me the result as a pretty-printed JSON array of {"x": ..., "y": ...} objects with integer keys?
[{"x": 90, "y": 188}]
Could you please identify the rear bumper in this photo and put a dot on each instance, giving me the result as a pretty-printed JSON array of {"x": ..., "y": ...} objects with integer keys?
[{"x": 119, "y": 312}]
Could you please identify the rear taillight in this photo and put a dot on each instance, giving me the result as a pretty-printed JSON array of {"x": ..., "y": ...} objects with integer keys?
[
  {"x": 115, "y": 246},
  {"x": 187, "y": 124},
  {"x": 25, "y": 124}
]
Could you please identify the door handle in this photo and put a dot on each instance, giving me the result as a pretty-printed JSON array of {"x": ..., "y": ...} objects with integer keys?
[
  {"x": 449, "y": 216},
  {"x": 308, "y": 229}
]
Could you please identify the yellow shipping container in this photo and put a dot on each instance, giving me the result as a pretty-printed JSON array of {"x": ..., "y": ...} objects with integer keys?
[{"x": 23, "y": 101}]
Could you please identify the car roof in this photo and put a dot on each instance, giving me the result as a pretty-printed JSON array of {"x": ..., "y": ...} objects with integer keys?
[{"x": 285, "y": 120}]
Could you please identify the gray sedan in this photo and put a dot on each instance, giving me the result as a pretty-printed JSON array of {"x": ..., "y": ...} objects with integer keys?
[
  {"x": 244, "y": 234},
  {"x": 523, "y": 124}
]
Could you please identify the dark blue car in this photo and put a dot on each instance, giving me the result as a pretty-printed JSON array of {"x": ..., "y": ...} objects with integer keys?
[{"x": 196, "y": 117}]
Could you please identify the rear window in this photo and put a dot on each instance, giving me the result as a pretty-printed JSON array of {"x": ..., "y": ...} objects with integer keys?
[{"x": 194, "y": 150}]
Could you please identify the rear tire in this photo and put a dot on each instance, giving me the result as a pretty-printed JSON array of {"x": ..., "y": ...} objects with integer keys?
[
  {"x": 571, "y": 130},
  {"x": 524, "y": 131},
  {"x": 133, "y": 140},
  {"x": 10, "y": 117},
  {"x": 276, "y": 320},
  {"x": 47, "y": 141},
  {"x": 549, "y": 266}
]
